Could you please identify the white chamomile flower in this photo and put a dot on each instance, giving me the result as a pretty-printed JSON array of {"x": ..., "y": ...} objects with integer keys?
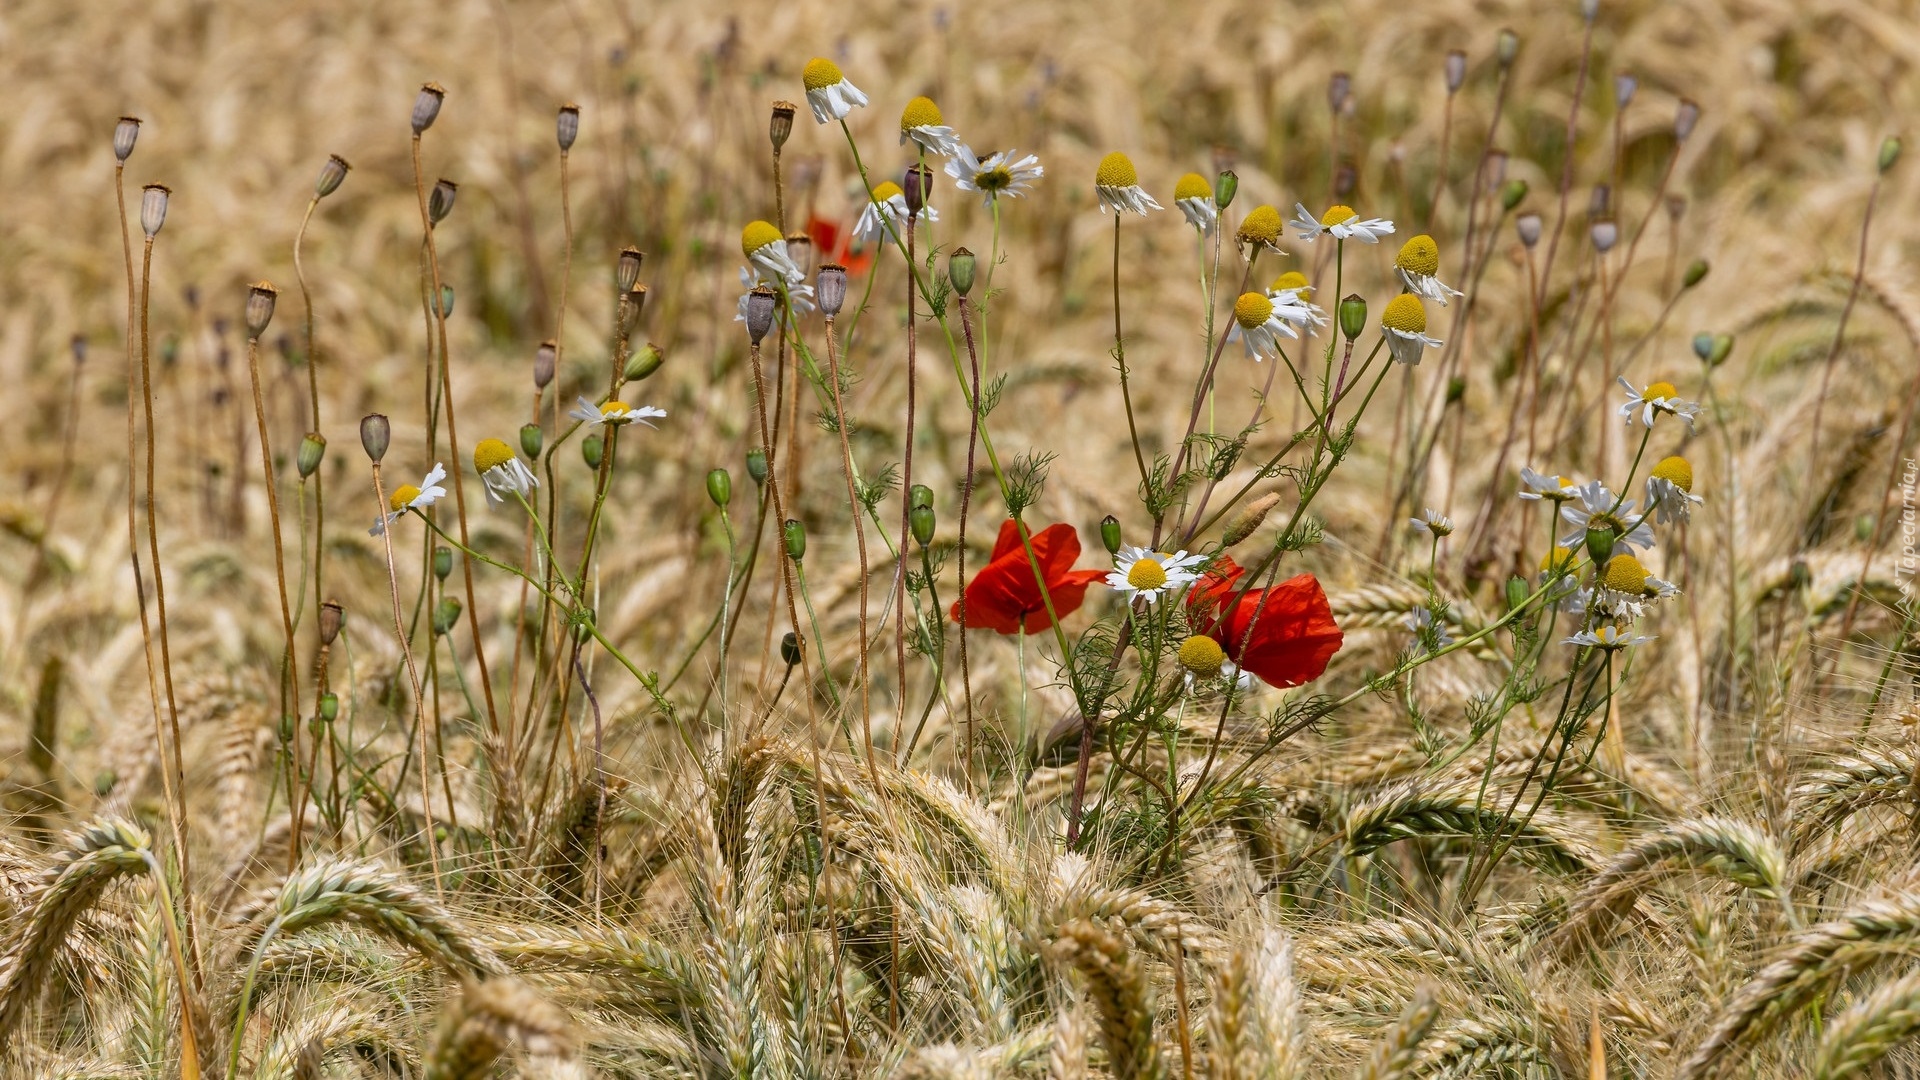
[
  {"x": 412, "y": 497},
  {"x": 1405, "y": 324},
  {"x": 1194, "y": 196},
  {"x": 1429, "y": 634},
  {"x": 1142, "y": 572},
  {"x": 1536, "y": 486},
  {"x": 829, "y": 93},
  {"x": 1342, "y": 222},
  {"x": 922, "y": 124},
  {"x": 885, "y": 216},
  {"x": 1205, "y": 661},
  {"x": 1609, "y": 638},
  {"x": 1625, "y": 587},
  {"x": 1289, "y": 293},
  {"x": 502, "y": 471},
  {"x": 1417, "y": 264},
  {"x": 1670, "y": 491},
  {"x": 1433, "y": 522},
  {"x": 1593, "y": 507},
  {"x": 766, "y": 249},
  {"x": 1000, "y": 174},
  {"x": 1118, "y": 185},
  {"x": 1659, "y": 397},
  {"x": 1260, "y": 326},
  {"x": 1556, "y": 572},
  {"x": 614, "y": 414}
]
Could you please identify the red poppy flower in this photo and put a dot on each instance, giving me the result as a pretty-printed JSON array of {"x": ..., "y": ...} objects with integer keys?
[
  {"x": 1294, "y": 634},
  {"x": 835, "y": 245},
  {"x": 1003, "y": 597}
]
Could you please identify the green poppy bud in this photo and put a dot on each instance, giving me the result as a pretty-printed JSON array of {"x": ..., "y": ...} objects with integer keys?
[
  {"x": 1889, "y": 154},
  {"x": 1353, "y": 315},
  {"x": 1517, "y": 592},
  {"x": 1512, "y": 193},
  {"x": 1600, "y": 545},
  {"x": 645, "y": 362},
  {"x": 720, "y": 487},
  {"x": 445, "y": 614},
  {"x": 796, "y": 538},
  {"x": 1506, "y": 47},
  {"x": 1703, "y": 345},
  {"x": 757, "y": 466},
  {"x": 313, "y": 447},
  {"x": 920, "y": 520},
  {"x": 1110, "y": 534},
  {"x": 591, "y": 448},
  {"x": 919, "y": 495},
  {"x": 375, "y": 433},
  {"x": 329, "y": 707},
  {"x": 286, "y": 727},
  {"x": 1722, "y": 348},
  {"x": 961, "y": 266},
  {"x": 1225, "y": 186},
  {"x": 531, "y": 440},
  {"x": 1696, "y": 273},
  {"x": 442, "y": 562}
]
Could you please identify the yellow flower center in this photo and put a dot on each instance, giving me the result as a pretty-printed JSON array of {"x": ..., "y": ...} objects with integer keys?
[
  {"x": 1261, "y": 226},
  {"x": 1292, "y": 279},
  {"x": 1337, "y": 214},
  {"x": 920, "y": 112},
  {"x": 1116, "y": 170},
  {"x": 1192, "y": 186},
  {"x": 490, "y": 454},
  {"x": 1405, "y": 314},
  {"x": 1202, "y": 655},
  {"x": 1146, "y": 574},
  {"x": 758, "y": 234},
  {"x": 1558, "y": 561},
  {"x": 613, "y": 408},
  {"x": 403, "y": 495},
  {"x": 1252, "y": 310},
  {"x": 1624, "y": 574},
  {"x": 1419, "y": 255},
  {"x": 1675, "y": 471},
  {"x": 886, "y": 190},
  {"x": 1659, "y": 390},
  {"x": 821, "y": 73},
  {"x": 997, "y": 178}
]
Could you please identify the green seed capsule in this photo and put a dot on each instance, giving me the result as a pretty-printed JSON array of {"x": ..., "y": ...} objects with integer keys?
[
  {"x": 1703, "y": 345},
  {"x": 1889, "y": 154},
  {"x": 645, "y": 362},
  {"x": 961, "y": 266},
  {"x": 1512, "y": 193},
  {"x": 919, "y": 495},
  {"x": 591, "y": 448},
  {"x": 329, "y": 707},
  {"x": 757, "y": 466},
  {"x": 720, "y": 487},
  {"x": 445, "y": 614},
  {"x": 796, "y": 537},
  {"x": 313, "y": 447},
  {"x": 920, "y": 520},
  {"x": 1110, "y": 534},
  {"x": 1600, "y": 545},
  {"x": 1225, "y": 187},
  {"x": 1517, "y": 592},
  {"x": 442, "y": 562},
  {"x": 1696, "y": 272},
  {"x": 1353, "y": 315},
  {"x": 531, "y": 440},
  {"x": 1722, "y": 348}
]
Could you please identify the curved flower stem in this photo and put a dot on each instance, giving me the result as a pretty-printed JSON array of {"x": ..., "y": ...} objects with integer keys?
[
  {"x": 1120, "y": 357},
  {"x": 859, "y": 529},
  {"x": 413, "y": 677},
  {"x": 289, "y": 667}
]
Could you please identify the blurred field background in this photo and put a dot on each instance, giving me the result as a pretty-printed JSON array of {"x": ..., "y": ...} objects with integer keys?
[{"x": 242, "y": 103}]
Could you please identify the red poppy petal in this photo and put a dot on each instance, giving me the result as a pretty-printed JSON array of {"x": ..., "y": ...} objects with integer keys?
[
  {"x": 1008, "y": 541},
  {"x": 1295, "y": 635}
]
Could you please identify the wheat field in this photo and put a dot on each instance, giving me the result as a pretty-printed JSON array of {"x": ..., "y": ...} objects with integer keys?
[{"x": 820, "y": 625}]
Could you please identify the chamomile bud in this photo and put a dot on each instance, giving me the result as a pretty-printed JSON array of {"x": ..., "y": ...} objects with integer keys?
[
  {"x": 260, "y": 298},
  {"x": 445, "y": 614},
  {"x": 757, "y": 466},
  {"x": 1225, "y": 187},
  {"x": 830, "y": 288},
  {"x": 790, "y": 648},
  {"x": 591, "y": 449},
  {"x": 442, "y": 562},
  {"x": 531, "y": 440},
  {"x": 1110, "y": 534},
  {"x": 1353, "y": 315},
  {"x": 426, "y": 106},
  {"x": 1456, "y": 70},
  {"x": 440, "y": 200},
  {"x": 153, "y": 208},
  {"x": 794, "y": 534},
  {"x": 961, "y": 267},
  {"x": 329, "y": 707},
  {"x": 780, "y": 126},
  {"x": 720, "y": 487},
  {"x": 125, "y": 133},
  {"x": 920, "y": 520},
  {"x": 626, "y": 268},
  {"x": 1684, "y": 118},
  {"x": 1506, "y": 47},
  {"x": 1604, "y": 234},
  {"x": 1889, "y": 154},
  {"x": 1696, "y": 273},
  {"x": 759, "y": 313},
  {"x": 1528, "y": 226},
  {"x": 331, "y": 174},
  {"x": 1623, "y": 88},
  {"x": 544, "y": 359},
  {"x": 332, "y": 617},
  {"x": 375, "y": 434},
  {"x": 645, "y": 362},
  {"x": 313, "y": 447},
  {"x": 1512, "y": 194}
]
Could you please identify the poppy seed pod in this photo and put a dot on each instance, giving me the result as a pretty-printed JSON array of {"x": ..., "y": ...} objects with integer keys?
[
  {"x": 1623, "y": 88},
  {"x": 332, "y": 172},
  {"x": 1353, "y": 315},
  {"x": 153, "y": 208},
  {"x": 1456, "y": 70},
  {"x": 426, "y": 106},
  {"x": 1512, "y": 194},
  {"x": 790, "y": 648},
  {"x": 313, "y": 447},
  {"x": 329, "y": 707},
  {"x": 445, "y": 614},
  {"x": 632, "y": 303},
  {"x": 125, "y": 133},
  {"x": 1225, "y": 187},
  {"x": 1506, "y": 47},
  {"x": 800, "y": 250},
  {"x": 780, "y": 126},
  {"x": 591, "y": 449},
  {"x": 1496, "y": 166},
  {"x": 260, "y": 298},
  {"x": 1110, "y": 534},
  {"x": 1605, "y": 234},
  {"x": 543, "y": 360},
  {"x": 1889, "y": 154},
  {"x": 1696, "y": 273},
  {"x": 830, "y": 288},
  {"x": 920, "y": 521},
  {"x": 757, "y": 466},
  {"x": 759, "y": 314},
  {"x": 442, "y": 562},
  {"x": 961, "y": 267},
  {"x": 1600, "y": 202},
  {"x": 720, "y": 487},
  {"x": 531, "y": 440},
  {"x": 1339, "y": 88},
  {"x": 440, "y": 200},
  {"x": 917, "y": 184},
  {"x": 645, "y": 362},
  {"x": 567, "y": 126},
  {"x": 1589, "y": 9},
  {"x": 794, "y": 534},
  {"x": 1684, "y": 118},
  {"x": 626, "y": 269},
  {"x": 332, "y": 616},
  {"x": 375, "y": 434},
  {"x": 1528, "y": 226}
]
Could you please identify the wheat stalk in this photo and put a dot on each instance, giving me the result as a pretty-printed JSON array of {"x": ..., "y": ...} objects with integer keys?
[
  {"x": 1398, "y": 1049},
  {"x": 1117, "y": 988},
  {"x": 1858, "y": 1038},
  {"x": 487, "y": 1019}
]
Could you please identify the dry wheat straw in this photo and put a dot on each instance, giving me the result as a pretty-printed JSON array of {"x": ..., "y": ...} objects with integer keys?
[
  {"x": 1396, "y": 1052},
  {"x": 485, "y": 1021},
  {"x": 1117, "y": 988},
  {"x": 1740, "y": 852},
  {"x": 1860, "y": 1037}
]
